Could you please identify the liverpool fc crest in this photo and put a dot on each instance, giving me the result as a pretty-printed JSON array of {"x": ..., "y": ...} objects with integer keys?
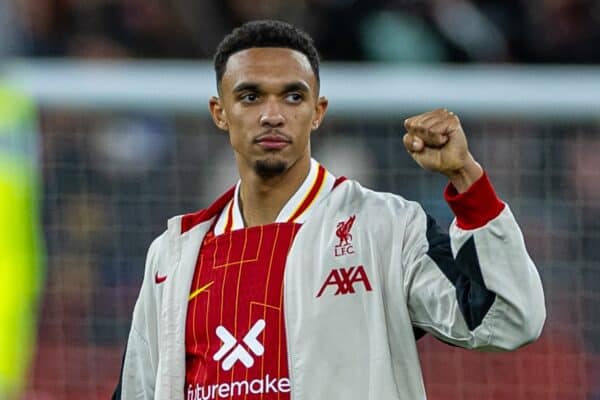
[{"x": 342, "y": 231}]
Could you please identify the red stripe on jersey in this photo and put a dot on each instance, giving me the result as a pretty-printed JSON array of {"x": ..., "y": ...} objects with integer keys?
[
  {"x": 338, "y": 181},
  {"x": 312, "y": 194}
]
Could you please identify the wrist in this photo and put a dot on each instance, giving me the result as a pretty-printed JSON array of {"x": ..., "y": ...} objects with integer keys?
[
  {"x": 463, "y": 178},
  {"x": 475, "y": 207}
]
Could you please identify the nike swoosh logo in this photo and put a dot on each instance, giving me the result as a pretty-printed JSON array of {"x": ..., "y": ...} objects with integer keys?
[
  {"x": 159, "y": 279},
  {"x": 198, "y": 291}
]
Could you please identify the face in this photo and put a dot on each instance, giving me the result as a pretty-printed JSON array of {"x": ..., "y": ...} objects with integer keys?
[{"x": 269, "y": 104}]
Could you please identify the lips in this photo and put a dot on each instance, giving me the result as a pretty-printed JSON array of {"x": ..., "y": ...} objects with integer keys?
[{"x": 272, "y": 141}]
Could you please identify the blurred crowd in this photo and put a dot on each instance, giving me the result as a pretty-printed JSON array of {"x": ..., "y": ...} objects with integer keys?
[{"x": 530, "y": 31}]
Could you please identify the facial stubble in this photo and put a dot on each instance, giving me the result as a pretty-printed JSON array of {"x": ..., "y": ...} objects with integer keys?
[{"x": 269, "y": 168}]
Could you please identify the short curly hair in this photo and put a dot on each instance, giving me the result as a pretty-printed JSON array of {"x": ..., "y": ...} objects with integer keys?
[{"x": 265, "y": 33}]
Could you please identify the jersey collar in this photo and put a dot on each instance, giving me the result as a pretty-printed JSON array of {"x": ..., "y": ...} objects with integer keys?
[{"x": 317, "y": 184}]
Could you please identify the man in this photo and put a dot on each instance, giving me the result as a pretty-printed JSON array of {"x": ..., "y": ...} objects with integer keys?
[{"x": 298, "y": 284}]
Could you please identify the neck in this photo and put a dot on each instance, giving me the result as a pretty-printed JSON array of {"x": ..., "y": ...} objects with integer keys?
[{"x": 262, "y": 199}]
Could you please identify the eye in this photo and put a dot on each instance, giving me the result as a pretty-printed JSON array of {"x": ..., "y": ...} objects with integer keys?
[
  {"x": 294, "y": 98},
  {"x": 249, "y": 97}
]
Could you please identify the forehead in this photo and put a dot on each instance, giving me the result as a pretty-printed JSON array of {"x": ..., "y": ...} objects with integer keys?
[{"x": 268, "y": 65}]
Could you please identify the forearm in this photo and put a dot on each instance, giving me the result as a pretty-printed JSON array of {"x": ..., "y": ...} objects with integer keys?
[{"x": 463, "y": 178}]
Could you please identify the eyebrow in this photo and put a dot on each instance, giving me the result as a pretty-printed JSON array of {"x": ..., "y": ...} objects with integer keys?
[
  {"x": 296, "y": 86},
  {"x": 255, "y": 87}
]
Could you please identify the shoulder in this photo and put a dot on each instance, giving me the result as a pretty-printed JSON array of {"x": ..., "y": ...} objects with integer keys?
[{"x": 355, "y": 195}]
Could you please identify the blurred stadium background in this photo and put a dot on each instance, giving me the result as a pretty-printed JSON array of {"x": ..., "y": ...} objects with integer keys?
[{"x": 125, "y": 141}]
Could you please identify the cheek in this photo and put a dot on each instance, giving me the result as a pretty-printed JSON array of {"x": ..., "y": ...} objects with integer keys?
[
  {"x": 236, "y": 131},
  {"x": 303, "y": 119},
  {"x": 241, "y": 124},
  {"x": 303, "y": 127},
  {"x": 238, "y": 117}
]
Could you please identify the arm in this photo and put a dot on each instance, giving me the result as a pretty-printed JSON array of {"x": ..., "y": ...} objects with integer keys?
[
  {"x": 476, "y": 287},
  {"x": 140, "y": 361}
]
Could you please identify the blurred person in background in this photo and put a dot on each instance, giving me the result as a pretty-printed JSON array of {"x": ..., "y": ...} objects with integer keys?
[
  {"x": 20, "y": 239},
  {"x": 215, "y": 278}
]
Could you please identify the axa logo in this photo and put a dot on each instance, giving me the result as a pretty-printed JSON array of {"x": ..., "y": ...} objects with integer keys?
[
  {"x": 343, "y": 280},
  {"x": 342, "y": 231},
  {"x": 231, "y": 351}
]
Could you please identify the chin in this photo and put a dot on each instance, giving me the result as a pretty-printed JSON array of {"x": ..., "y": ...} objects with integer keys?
[{"x": 269, "y": 168}]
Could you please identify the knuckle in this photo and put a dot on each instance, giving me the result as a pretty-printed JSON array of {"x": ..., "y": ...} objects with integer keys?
[
  {"x": 436, "y": 130},
  {"x": 414, "y": 127},
  {"x": 452, "y": 116}
]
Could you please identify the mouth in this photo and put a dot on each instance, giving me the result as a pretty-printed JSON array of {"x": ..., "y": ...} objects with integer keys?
[{"x": 272, "y": 140}]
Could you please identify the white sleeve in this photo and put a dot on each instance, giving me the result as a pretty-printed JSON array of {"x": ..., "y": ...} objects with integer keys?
[
  {"x": 475, "y": 288},
  {"x": 140, "y": 362}
]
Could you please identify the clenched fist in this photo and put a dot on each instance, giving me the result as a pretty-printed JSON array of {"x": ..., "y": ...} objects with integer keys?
[{"x": 438, "y": 143}]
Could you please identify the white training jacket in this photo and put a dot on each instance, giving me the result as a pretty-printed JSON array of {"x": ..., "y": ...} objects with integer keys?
[{"x": 476, "y": 289}]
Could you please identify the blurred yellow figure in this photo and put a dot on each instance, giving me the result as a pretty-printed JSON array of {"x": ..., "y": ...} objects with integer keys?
[{"x": 20, "y": 238}]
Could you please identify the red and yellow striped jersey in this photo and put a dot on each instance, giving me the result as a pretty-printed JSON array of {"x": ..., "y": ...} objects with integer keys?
[
  {"x": 239, "y": 282},
  {"x": 235, "y": 332}
]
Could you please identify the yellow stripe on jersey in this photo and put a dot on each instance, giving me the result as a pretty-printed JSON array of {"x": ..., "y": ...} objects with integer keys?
[
  {"x": 311, "y": 195},
  {"x": 202, "y": 289},
  {"x": 229, "y": 223}
]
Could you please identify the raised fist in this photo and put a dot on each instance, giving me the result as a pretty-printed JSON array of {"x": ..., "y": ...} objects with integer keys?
[{"x": 438, "y": 143}]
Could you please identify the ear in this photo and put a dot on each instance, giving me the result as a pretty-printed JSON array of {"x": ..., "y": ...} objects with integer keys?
[
  {"x": 320, "y": 110},
  {"x": 218, "y": 113}
]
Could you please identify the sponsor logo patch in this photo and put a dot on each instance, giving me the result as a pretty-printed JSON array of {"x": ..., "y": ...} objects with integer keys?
[
  {"x": 239, "y": 388},
  {"x": 343, "y": 280},
  {"x": 231, "y": 351}
]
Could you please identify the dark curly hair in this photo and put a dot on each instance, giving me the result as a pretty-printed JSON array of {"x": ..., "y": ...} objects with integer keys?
[{"x": 265, "y": 33}]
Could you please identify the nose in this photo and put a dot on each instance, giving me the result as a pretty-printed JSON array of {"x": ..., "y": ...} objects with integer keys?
[{"x": 271, "y": 115}]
